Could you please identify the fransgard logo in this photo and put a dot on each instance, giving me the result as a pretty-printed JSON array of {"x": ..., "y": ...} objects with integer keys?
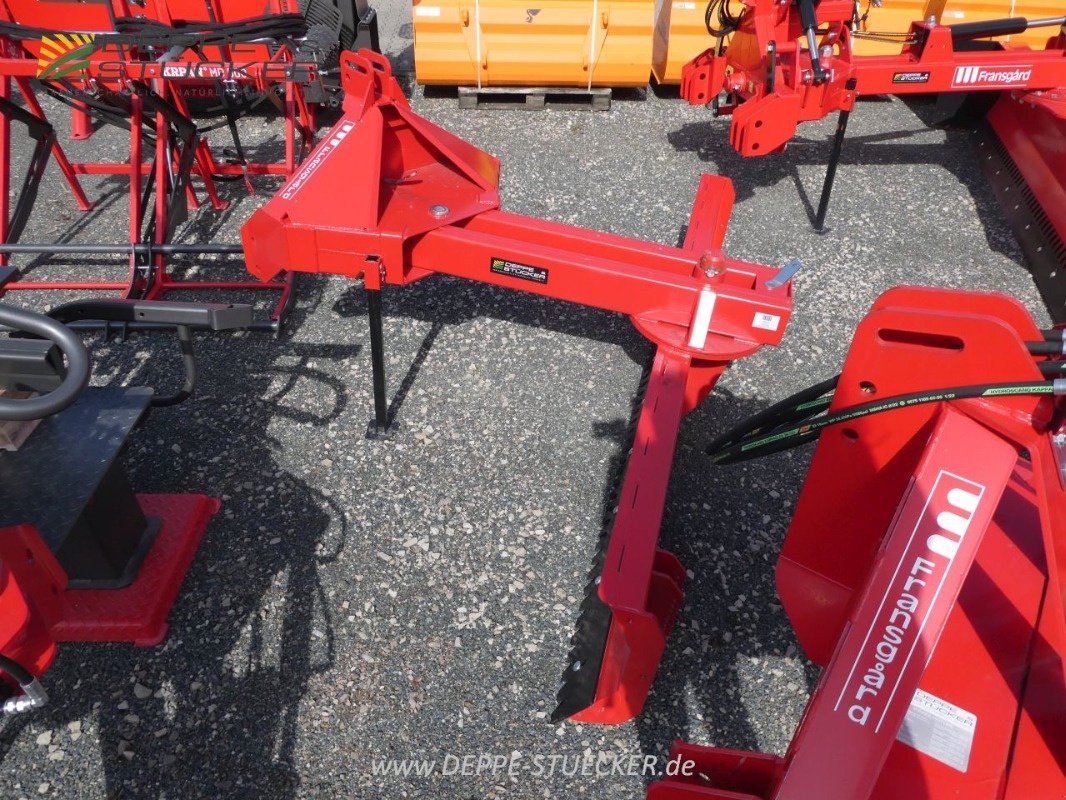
[{"x": 64, "y": 55}]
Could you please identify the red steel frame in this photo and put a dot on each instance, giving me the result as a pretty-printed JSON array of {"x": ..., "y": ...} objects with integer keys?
[
  {"x": 924, "y": 568},
  {"x": 767, "y": 104},
  {"x": 254, "y": 66},
  {"x": 419, "y": 201},
  {"x": 1035, "y": 136},
  {"x": 37, "y": 609}
]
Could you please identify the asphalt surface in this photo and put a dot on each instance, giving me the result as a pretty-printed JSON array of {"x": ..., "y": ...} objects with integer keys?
[{"x": 359, "y": 600}]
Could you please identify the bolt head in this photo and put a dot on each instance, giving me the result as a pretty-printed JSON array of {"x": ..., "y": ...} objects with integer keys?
[
  {"x": 439, "y": 211},
  {"x": 712, "y": 264}
]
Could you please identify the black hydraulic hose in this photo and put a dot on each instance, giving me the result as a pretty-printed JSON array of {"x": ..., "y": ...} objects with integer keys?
[
  {"x": 188, "y": 358},
  {"x": 1048, "y": 348},
  {"x": 33, "y": 694},
  {"x": 78, "y": 365},
  {"x": 807, "y": 402},
  {"x": 1054, "y": 335},
  {"x": 126, "y": 313},
  {"x": 727, "y": 21},
  {"x": 1053, "y": 368},
  {"x": 778, "y": 440},
  {"x": 16, "y": 670}
]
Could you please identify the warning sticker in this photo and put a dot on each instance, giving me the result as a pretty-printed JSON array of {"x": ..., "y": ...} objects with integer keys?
[
  {"x": 939, "y": 729},
  {"x": 317, "y": 159},
  {"x": 768, "y": 322},
  {"x": 427, "y": 11},
  {"x": 512, "y": 269}
]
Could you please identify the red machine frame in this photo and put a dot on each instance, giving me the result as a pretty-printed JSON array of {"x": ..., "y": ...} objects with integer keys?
[
  {"x": 769, "y": 78},
  {"x": 421, "y": 201},
  {"x": 153, "y": 86},
  {"x": 941, "y": 603},
  {"x": 771, "y": 82},
  {"x": 40, "y": 610}
]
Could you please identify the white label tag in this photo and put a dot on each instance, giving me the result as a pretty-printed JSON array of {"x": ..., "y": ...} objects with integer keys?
[
  {"x": 768, "y": 322},
  {"x": 427, "y": 11},
  {"x": 939, "y": 729},
  {"x": 685, "y": 6}
]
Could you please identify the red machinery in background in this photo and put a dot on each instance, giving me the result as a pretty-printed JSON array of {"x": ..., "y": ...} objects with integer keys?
[
  {"x": 924, "y": 567},
  {"x": 420, "y": 201},
  {"x": 790, "y": 62},
  {"x": 153, "y": 69}
]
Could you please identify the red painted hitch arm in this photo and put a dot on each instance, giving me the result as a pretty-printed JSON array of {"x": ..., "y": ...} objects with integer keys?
[{"x": 391, "y": 198}]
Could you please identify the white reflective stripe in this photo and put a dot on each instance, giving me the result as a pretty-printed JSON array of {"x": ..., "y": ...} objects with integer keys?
[{"x": 701, "y": 322}]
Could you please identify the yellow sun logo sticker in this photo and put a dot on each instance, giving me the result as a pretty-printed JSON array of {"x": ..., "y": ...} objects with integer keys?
[{"x": 64, "y": 55}]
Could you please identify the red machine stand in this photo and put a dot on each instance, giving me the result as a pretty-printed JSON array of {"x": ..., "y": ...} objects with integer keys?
[
  {"x": 82, "y": 556},
  {"x": 39, "y": 609},
  {"x": 138, "y": 613}
]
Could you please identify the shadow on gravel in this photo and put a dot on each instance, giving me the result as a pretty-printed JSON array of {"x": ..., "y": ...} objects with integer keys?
[
  {"x": 443, "y": 301},
  {"x": 710, "y": 142},
  {"x": 215, "y": 712}
]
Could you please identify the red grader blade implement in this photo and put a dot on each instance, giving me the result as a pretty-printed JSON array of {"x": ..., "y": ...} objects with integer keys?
[
  {"x": 923, "y": 567},
  {"x": 419, "y": 201}
]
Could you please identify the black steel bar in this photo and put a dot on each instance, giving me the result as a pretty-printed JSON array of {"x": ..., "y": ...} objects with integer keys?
[
  {"x": 834, "y": 160},
  {"x": 123, "y": 249},
  {"x": 188, "y": 360},
  {"x": 258, "y": 326},
  {"x": 981, "y": 29},
  {"x": 377, "y": 358}
]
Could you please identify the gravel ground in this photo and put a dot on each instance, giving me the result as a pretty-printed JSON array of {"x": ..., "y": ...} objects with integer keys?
[{"x": 414, "y": 598}]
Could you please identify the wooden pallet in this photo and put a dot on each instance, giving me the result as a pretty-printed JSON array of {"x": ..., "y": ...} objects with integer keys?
[{"x": 533, "y": 97}]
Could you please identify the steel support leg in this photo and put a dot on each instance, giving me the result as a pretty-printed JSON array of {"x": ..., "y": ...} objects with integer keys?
[
  {"x": 380, "y": 424},
  {"x": 5, "y": 167},
  {"x": 831, "y": 169}
]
